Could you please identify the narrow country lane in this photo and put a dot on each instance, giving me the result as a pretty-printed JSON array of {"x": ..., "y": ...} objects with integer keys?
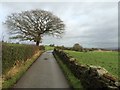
[{"x": 44, "y": 73}]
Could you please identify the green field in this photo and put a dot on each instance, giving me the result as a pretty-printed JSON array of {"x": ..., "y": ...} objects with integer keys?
[
  {"x": 108, "y": 60},
  {"x": 47, "y": 48}
]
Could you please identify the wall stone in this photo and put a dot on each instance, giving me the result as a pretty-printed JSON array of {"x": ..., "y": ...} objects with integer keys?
[{"x": 92, "y": 77}]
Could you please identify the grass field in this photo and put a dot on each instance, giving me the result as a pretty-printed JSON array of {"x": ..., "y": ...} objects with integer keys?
[
  {"x": 108, "y": 60},
  {"x": 47, "y": 48}
]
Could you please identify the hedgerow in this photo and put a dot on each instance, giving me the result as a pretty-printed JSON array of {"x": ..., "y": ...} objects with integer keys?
[{"x": 13, "y": 53}]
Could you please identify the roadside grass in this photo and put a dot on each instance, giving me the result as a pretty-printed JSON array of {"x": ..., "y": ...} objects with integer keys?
[
  {"x": 47, "y": 48},
  {"x": 108, "y": 60},
  {"x": 9, "y": 83},
  {"x": 72, "y": 80}
]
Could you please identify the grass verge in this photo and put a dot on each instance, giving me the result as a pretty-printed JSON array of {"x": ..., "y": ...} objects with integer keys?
[
  {"x": 73, "y": 81},
  {"x": 18, "y": 72}
]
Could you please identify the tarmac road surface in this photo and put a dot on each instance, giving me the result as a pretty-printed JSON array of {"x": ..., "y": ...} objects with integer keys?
[{"x": 44, "y": 73}]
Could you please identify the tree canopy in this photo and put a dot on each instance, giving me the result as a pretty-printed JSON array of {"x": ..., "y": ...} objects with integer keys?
[
  {"x": 77, "y": 47},
  {"x": 33, "y": 25}
]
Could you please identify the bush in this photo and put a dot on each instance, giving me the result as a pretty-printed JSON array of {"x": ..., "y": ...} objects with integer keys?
[
  {"x": 77, "y": 47},
  {"x": 51, "y": 45},
  {"x": 16, "y": 52}
]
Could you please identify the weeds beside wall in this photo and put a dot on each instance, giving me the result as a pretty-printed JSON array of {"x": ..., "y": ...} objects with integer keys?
[{"x": 91, "y": 77}]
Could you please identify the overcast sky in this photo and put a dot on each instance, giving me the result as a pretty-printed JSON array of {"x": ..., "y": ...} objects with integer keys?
[{"x": 87, "y": 23}]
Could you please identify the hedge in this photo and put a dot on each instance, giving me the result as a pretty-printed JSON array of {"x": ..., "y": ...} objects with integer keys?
[{"x": 12, "y": 53}]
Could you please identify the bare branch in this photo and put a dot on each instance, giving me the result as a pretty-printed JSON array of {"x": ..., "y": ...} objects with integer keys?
[{"x": 32, "y": 25}]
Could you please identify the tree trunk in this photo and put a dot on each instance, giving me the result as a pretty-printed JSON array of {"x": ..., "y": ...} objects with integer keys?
[{"x": 37, "y": 43}]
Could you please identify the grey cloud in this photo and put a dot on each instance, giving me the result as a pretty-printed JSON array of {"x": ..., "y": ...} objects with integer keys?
[{"x": 90, "y": 24}]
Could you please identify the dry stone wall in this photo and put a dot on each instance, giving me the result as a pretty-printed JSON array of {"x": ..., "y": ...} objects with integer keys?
[{"x": 91, "y": 77}]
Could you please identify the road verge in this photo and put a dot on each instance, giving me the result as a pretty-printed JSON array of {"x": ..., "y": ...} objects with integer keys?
[{"x": 72, "y": 80}]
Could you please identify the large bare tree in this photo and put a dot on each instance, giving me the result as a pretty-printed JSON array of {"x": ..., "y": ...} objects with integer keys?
[{"x": 32, "y": 25}]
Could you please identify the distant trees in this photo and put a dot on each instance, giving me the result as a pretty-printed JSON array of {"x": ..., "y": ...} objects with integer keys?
[
  {"x": 77, "y": 47},
  {"x": 33, "y": 25},
  {"x": 52, "y": 45}
]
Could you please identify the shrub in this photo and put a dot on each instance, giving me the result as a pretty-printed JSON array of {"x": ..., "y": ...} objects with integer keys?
[
  {"x": 51, "y": 45},
  {"x": 77, "y": 47}
]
